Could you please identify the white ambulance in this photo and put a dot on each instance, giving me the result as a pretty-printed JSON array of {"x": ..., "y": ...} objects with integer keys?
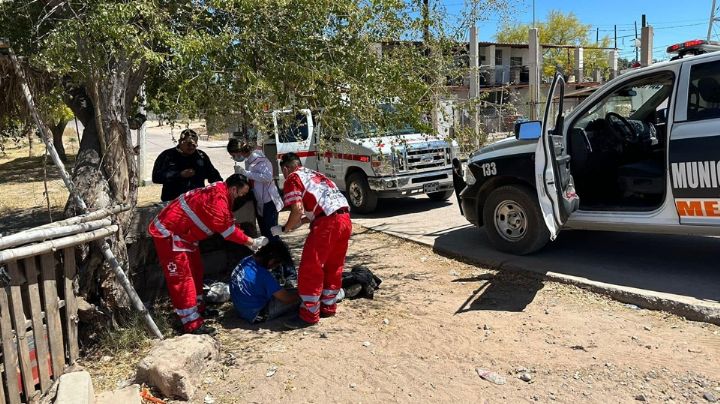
[{"x": 364, "y": 164}]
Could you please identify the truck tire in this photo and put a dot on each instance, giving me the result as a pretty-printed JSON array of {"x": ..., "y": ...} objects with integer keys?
[
  {"x": 440, "y": 196},
  {"x": 360, "y": 197},
  {"x": 513, "y": 220}
]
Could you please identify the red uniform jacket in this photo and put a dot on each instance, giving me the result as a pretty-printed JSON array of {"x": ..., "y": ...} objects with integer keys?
[{"x": 197, "y": 214}]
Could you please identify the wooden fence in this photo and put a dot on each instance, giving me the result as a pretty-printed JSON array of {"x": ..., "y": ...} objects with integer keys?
[{"x": 38, "y": 308}]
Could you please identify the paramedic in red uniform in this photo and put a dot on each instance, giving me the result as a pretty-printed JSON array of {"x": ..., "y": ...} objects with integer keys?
[
  {"x": 176, "y": 231},
  {"x": 326, "y": 209}
]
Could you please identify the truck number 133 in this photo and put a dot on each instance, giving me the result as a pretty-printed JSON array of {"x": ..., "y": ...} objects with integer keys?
[{"x": 489, "y": 169}]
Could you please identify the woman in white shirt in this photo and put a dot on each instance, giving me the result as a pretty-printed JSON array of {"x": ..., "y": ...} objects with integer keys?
[{"x": 258, "y": 170}]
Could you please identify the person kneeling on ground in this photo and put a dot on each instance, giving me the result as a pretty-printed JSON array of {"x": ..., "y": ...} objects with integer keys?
[{"x": 255, "y": 293}]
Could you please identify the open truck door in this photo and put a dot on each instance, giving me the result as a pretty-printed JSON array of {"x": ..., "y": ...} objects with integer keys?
[
  {"x": 553, "y": 180},
  {"x": 294, "y": 132}
]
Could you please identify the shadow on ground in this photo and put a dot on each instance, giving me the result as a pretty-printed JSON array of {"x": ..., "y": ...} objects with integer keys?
[
  {"x": 16, "y": 220},
  {"x": 402, "y": 206},
  {"x": 30, "y": 169},
  {"x": 230, "y": 320},
  {"x": 501, "y": 291},
  {"x": 682, "y": 265}
]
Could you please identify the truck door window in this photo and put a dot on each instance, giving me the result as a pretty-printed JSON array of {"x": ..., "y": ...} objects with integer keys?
[
  {"x": 618, "y": 145},
  {"x": 704, "y": 92},
  {"x": 637, "y": 100}
]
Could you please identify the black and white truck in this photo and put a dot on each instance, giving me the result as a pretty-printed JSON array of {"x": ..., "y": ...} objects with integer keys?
[{"x": 641, "y": 154}]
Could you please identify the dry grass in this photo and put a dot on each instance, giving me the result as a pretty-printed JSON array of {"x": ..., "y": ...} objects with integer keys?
[
  {"x": 114, "y": 359},
  {"x": 25, "y": 175}
]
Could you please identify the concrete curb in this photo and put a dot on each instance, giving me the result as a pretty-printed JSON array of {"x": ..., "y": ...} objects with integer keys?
[{"x": 683, "y": 306}]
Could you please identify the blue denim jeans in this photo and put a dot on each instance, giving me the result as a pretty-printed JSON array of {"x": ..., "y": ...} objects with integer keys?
[{"x": 267, "y": 220}]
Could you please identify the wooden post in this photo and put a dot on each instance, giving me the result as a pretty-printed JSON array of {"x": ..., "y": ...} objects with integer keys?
[
  {"x": 10, "y": 358},
  {"x": 41, "y": 341},
  {"x": 52, "y": 314},
  {"x": 18, "y": 316},
  {"x": 71, "y": 318}
]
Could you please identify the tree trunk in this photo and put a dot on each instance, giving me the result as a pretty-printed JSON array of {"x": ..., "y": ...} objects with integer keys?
[
  {"x": 105, "y": 173},
  {"x": 29, "y": 133},
  {"x": 57, "y": 133}
]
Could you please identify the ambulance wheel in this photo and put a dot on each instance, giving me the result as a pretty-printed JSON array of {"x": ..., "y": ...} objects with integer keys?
[
  {"x": 440, "y": 196},
  {"x": 361, "y": 198},
  {"x": 513, "y": 220}
]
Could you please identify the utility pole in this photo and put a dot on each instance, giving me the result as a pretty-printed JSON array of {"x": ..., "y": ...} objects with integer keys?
[
  {"x": 474, "y": 77},
  {"x": 615, "y": 30},
  {"x": 636, "y": 43},
  {"x": 474, "y": 63},
  {"x": 646, "y": 43},
  {"x": 142, "y": 140},
  {"x": 533, "y": 14},
  {"x": 713, "y": 18},
  {"x": 534, "y": 68},
  {"x": 426, "y": 25}
]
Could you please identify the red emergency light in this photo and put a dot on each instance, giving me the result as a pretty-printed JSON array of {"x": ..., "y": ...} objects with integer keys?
[{"x": 685, "y": 45}]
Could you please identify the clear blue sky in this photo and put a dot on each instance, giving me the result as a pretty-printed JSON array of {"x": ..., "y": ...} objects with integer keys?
[{"x": 673, "y": 20}]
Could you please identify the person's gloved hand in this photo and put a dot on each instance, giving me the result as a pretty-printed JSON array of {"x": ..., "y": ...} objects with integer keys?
[
  {"x": 240, "y": 170},
  {"x": 276, "y": 230},
  {"x": 259, "y": 242}
]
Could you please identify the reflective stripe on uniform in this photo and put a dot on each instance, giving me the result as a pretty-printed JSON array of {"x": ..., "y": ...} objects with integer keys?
[
  {"x": 195, "y": 219},
  {"x": 190, "y": 318},
  {"x": 161, "y": 228},
  {"x": 185, "y": 312},
  {"x": 230, "y": 230},
  {"x": 312, "y": 309},
  {"x": 183, "y": 245},
  {"x": 292, "y": 197},
  {"x": 311, "y": 303},
  {"x": 330, "y": 292}
]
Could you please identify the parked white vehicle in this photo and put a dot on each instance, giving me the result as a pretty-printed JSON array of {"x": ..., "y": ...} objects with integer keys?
[
  {"x": 640, "y": 154},
  {"x": 363, "y": 165}
]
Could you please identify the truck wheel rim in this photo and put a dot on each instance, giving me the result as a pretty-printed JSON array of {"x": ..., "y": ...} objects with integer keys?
[
  {"x": 356, "y": 195},
  {"x": 510, "y": 221}
]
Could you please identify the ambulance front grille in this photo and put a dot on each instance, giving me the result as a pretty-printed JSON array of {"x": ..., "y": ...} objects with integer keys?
[{"x": 419, "y": 160}]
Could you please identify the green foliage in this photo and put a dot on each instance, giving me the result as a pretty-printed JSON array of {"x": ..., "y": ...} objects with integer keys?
[
  {"x": 242, "y": 57},
  {"x": 560, "y": 29}
]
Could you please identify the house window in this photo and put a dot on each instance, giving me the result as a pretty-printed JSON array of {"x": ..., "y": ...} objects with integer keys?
[
  {"x": 516, "y": 61},
  {"x": 498, "y": 57}
]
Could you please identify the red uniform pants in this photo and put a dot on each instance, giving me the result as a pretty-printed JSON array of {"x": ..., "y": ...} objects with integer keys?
[
  {"x": 321, "y": 266},
  {"x": 183, "y": 269}
]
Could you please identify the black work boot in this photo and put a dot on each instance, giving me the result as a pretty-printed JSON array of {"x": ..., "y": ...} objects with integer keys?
[
  {"x": 204, "y": 330},
  {"x": 296, "y": 323}
]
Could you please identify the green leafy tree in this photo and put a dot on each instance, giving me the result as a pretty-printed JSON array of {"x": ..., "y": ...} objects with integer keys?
[
  {"x": 220, "y": 57},
  {"x": 560, "y": 29}
]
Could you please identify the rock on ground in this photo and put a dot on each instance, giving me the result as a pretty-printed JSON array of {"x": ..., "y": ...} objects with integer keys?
[
  {"x": 173, "y": 366},
  {"x": 75, "y": 388},
  {"x": 127, "y": 395}
]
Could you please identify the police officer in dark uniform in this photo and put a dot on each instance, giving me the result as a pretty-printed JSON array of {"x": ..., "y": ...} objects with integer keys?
[{"x": 183, "y": 168}]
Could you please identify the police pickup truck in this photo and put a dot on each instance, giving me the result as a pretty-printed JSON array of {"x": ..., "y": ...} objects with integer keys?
[{"x": 641, "y": 154}]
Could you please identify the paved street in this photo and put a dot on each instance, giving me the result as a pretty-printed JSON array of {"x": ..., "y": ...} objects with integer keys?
[{"x": 678, "y": 268}]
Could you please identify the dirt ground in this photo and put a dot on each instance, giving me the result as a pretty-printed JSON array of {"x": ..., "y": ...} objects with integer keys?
[{"x": 434, "y": 321}]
